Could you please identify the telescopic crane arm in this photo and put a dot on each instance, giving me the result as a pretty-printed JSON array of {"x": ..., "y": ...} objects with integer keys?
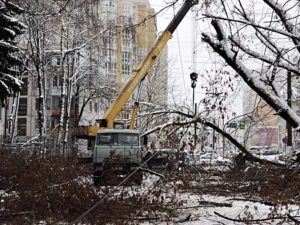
[{"x": 140, "y": 73}]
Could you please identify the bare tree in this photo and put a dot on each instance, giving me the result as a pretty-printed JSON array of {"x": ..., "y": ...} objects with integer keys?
[
  {"x": 263, "y": 73},
  {"x": 57, "y": 46},
  {"x": 242, "y": 26}
]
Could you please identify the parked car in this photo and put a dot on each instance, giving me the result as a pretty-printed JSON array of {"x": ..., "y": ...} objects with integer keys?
[
  {"x": 271, "y": 155},
  {"x": 259, "y": 148},
  {"x": 208, "y": 149},
  {"x": 162, "y": 159},
  {"x": 209, "y": 158}
]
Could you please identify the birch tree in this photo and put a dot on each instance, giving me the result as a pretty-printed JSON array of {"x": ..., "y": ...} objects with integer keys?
[
  {"x": 56, "y": 49},
  {"x": 83, "y": 76}
]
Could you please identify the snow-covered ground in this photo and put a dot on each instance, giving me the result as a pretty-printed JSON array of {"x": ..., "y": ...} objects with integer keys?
[
  {"x": 179, "y": 199},
  {"x": 198, "y": 209},
  {"x": 240, "y": 209},
  {"x": 195, "y": 212}
]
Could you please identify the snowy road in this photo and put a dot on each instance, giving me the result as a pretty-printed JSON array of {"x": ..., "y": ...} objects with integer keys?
[
  {"x": 201, "y": 209},
  {"x": 192, "y": 213}
]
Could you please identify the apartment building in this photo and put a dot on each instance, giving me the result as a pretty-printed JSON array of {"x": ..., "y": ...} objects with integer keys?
[
  {"x": 264, "y": 126},
  {"x": 131, "y": 34},
  {"x": 126, "y": 37}
]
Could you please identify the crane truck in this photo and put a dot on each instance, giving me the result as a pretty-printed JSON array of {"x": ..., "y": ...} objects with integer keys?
[{"x": 119, "y": 151}]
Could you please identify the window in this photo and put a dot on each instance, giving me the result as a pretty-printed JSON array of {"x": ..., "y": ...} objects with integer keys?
[
  {"x": 56, "y": 102},
  {"x": 128, "y": 20},
  {"x": 37, "y": 124},
  {"x": 22, "y": 111},
  {"x": 120, "y": 139},
  {"x": 110, "y": 55},
  {"x": 111, "y": 67},
  {"x": 111, "y": 37},
  {"x": 112, "y": 4},
  {"x": 125, "y": 116},
  {"x": 126, "y": 34},
  {"x": 105, "y": 4},
  {"x": 126, "y": 58},
  {"x": 73, "y": 102},
  {"x": 54, "y": 122},
  {"x": 109, "y": 5},
  {"x": 106, "y": 139},
  {"x": 128, "y": 139},
  {"x": 127, "y": 44},
  {"x": 127, "y": 39},
  {"x": 127, "y": 9},
  {"x": 22, "y": 126},
  {"x": 112, "y": 32},
  {"x": 91, "y": 106},
  {"x": 56, "y": 60},
  {"x": 126, "y": 69},
  {"x": 37, "y": 104},
  {"x": 48, "y": 103},
  {"x": 95, "y": 107},
  {"x": 57, "y": 81},
  {"x": 24, "y": 90}
]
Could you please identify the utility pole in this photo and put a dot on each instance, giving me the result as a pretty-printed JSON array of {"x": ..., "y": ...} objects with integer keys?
[
  {"x": 195, "y": 126},
  {"x": 223, "y": 138},
  {"x": 289, "y": 102},
  {"x": 194, "y": 77}
]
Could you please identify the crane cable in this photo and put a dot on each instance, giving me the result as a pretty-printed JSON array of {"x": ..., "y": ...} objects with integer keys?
[{"x": 181, "y": 63}]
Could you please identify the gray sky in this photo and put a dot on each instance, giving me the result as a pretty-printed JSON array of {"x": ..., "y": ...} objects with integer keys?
[
  {"x": 181, "y": 48},
  {"x": 180, "y": 51}
]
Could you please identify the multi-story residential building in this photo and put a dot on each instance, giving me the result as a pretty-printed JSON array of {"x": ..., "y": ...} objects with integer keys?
[
  {"x": 126, "y": 37},
  {"x": 131, "y": 34},
  {"x": 263, "y": 126}
]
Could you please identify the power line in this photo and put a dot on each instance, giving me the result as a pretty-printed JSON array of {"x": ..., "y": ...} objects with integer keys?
[
  {"x": 79, "y": 219},
  {"x": 181, "y": 63}
]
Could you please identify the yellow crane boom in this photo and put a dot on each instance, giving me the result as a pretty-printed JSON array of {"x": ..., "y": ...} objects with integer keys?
[{"x": 141, "y": 71}]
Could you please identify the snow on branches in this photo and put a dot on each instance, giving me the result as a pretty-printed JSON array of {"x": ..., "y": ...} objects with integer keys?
[
  {"x": 248, "y": 39},
  {"x": 10, "y": 27}
]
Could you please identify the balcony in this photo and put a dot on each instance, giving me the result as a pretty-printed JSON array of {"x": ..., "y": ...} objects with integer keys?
[
  {"x": 55, "y": 112},
  {"x": 55, "y": 91}
]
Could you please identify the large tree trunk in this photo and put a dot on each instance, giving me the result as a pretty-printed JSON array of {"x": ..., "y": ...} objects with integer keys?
[{"x": 223, "y": 48}]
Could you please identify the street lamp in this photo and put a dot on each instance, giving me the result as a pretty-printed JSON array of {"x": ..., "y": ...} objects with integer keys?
[{"x": 194, "y": 77}]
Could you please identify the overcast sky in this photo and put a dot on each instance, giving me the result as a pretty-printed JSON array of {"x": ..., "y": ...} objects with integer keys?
[
  {"x": 181, "y": 48},
  {"x": 180, "y": 51}
]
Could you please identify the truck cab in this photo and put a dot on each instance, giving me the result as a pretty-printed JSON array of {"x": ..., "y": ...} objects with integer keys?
[{"x": 120, "y": 149}]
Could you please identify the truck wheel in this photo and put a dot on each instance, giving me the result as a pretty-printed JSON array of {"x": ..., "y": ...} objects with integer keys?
[
  {"x": 97, "y": 178},
  {"x": 138, "y": 178}
]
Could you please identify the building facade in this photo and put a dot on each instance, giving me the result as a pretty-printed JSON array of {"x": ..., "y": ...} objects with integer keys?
[
  {"x": 263, "y": 126},
  {"x": 90, "y": 76},
  {"x": 131, "y": 35}
]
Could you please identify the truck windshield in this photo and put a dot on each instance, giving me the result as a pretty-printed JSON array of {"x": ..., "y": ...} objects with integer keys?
[{"x": 118, "y": 139}]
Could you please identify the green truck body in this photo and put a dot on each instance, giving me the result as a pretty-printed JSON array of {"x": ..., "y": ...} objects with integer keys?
[{"x": 117, "y": 152}]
